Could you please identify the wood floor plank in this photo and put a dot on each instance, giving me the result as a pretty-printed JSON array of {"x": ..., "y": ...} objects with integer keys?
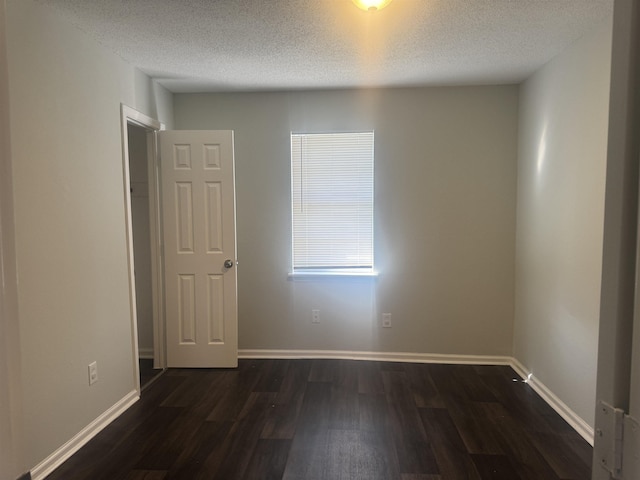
[
  {"x": 308, "y": 456},
  {"x": 203, "y": 455},
  {"x": 341, "y": 454},
  {"x": 564, "y": 461},
  {"x": 272, "y": 375},
  {"x": 323, "y": 370},
  {"x": 294, "y": 382},
  {"x": 168, "y": 443},
  {"x": 232, "y": 401},
  {"x": 216, "y": 390},
  {"x": 245, "y": 435},
  {"x": 268, "y": 460},
  {"x": 374, "y": 412},
  {"x": 495, "y": 467},
  {"x": 474, "y": 386},
  {"x": 527, "y": 406},
  {"x": 146, "y": 475},
  {"x": 476, "y": 432},
  {"x": 446, "y": 381},
  {"x": 370, "y": 378},
  {"x": 520, "y": 400},
  {"x": 346, "y": 377},
  {"x": 147, "y": 372},
  {"x": 528, "y": 461},
  {"x": 145, "y": 437},
  {"x": 580, "y": 447},
  {"x": 282, "y": 419},
  {"x": 414, "y": 476},
  {"x": 316, "y": 405},
  {"x": 412, "y": 447},
  {"x": 425, "y": 393},
  {"x": 392, "y": 366},
  {"x": 335, "y": 419},
  {"x": 361, "y": 455},
  {"x": 454, "y": 463},
  {"x": 193, "y": 388},
  {"x": 344, "y": 409}
]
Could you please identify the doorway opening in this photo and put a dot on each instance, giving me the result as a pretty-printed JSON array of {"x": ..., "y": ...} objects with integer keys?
[
  {"x": 141, "y": 191},
  {"x": 140, "y": 223}
]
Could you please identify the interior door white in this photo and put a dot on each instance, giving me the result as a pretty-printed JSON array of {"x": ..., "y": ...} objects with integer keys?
[{"x": 198, "y": 203}]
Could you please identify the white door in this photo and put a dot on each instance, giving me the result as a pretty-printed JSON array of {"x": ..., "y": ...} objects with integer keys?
[{"x": 198, "y": 204}]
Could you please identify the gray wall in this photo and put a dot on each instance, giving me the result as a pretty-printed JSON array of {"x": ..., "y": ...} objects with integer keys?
[
  {"x": 561, "y": 178},
  {"x": 445, "y": 218},
  {"x": 11, "y": 455},
  {"x": 73, "y": 298}
]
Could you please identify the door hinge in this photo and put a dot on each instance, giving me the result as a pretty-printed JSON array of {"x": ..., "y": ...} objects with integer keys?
[{"x": 617, "y": 442}]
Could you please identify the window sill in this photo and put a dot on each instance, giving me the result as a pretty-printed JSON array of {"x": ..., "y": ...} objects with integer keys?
[{"x": 329, "y": 274}]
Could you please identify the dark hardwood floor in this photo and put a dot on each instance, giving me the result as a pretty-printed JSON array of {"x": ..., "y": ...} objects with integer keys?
[
  {"x": 335, "y": 419},
  {"x": 147, "y": 372}
]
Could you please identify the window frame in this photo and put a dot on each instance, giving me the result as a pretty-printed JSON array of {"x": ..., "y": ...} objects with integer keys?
[{"x": 332, "y": 271}]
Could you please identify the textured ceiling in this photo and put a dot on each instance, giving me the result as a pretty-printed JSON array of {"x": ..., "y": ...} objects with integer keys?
[{"x": 248, "y": 45}]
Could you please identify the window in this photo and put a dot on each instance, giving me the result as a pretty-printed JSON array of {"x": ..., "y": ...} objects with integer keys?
[{"x": 332, "y": 203}]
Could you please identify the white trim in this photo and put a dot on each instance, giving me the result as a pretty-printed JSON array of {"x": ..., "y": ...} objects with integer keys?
[
  {"x": 378, "y": 356},
  {"x": 58, "y": 457},
  {"x": 139, "y": 118},
  {"x": 520, "y": 370},
  {"x": 146, "y": 353},
  {"x": 571, "y": 417},
  {"x": 125, "y": 114},
  {"x": 329, "y": 273}
]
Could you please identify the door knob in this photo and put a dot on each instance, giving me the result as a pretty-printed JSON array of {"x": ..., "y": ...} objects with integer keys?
[{"x": 228, "y": 263}]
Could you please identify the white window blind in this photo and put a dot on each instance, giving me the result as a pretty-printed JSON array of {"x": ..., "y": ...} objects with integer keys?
[{"x": 332, "y": 201}]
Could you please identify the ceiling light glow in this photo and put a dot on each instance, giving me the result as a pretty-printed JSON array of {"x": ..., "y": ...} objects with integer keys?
[{"x": 371, "y": 5}]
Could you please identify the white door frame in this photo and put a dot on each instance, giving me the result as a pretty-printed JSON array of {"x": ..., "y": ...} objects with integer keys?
[
  {"x": 152, "y": 126},
  {"x": 620, "y": 295}
]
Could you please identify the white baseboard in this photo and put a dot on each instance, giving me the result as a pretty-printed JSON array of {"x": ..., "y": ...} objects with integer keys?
[
  {"x": 146, "y": 353},
  {"x": 571, "y": 417},
  {"x": 378, "y": 356},
  {"x": 58, "y": 457}
]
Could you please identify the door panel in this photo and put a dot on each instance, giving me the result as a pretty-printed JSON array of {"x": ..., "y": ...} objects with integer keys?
[{"x": 199, "y": 234}]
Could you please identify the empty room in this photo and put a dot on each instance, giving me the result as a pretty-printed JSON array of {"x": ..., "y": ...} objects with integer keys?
[{"x": 333, "y": 239}]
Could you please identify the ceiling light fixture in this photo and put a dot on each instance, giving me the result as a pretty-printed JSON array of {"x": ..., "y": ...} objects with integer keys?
[{"x": 371, "y": 5}]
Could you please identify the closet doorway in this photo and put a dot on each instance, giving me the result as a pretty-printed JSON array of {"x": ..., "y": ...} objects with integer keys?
[
  {"x": 143, "y": 244},
  {"x": 140, "y": 222}
]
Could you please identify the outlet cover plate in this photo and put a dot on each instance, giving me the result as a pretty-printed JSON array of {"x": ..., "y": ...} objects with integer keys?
[{"x": 93, "y": 373}]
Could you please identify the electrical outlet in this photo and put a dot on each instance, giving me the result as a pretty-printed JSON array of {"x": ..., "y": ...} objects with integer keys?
[
  {"x": 93, "y": 373},
  {"x": 315, "y": 316},
  {"x": 386, "y": 320}
]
